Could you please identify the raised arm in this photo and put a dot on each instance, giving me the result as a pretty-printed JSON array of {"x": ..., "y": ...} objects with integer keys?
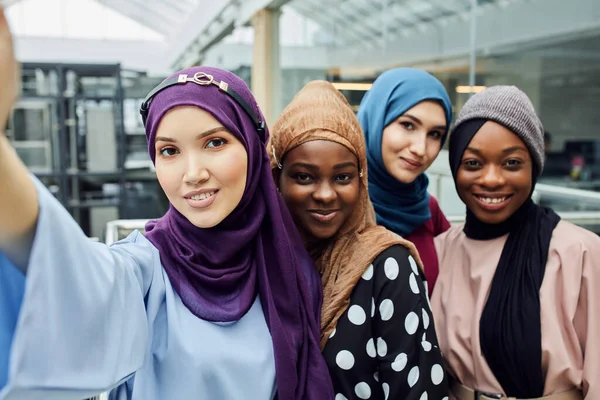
[
  {"x": 18, "y": 196},
  {"x": 79, "y": 324}
]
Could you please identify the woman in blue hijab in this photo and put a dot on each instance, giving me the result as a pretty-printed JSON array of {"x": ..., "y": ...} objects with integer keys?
[{"x": 405, "y": 117}]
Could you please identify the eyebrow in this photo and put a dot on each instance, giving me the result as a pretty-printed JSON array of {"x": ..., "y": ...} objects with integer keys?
[
  {"x": 315, "y": 167},
  {"x": 505, "y": 151},
  {"x": 344, "y": 165},
  {"x": 418, "y": 121},
  {"x": 199, "y": 136}
]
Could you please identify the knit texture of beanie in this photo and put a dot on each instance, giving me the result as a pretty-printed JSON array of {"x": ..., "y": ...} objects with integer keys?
[{"x": 510, "y": 107}]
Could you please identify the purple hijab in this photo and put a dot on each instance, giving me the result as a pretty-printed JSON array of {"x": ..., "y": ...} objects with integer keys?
[{"x": 218, "y": 272}]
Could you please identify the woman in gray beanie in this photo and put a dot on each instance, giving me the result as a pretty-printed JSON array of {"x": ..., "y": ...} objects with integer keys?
[{"x": 516, "y": 302}]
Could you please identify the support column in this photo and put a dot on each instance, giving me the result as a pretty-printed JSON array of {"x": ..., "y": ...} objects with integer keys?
[{"x": 266, "y": 68}]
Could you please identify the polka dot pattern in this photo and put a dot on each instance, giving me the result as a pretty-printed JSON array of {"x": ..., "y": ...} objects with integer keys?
[
  {"x": 386, "y": 309},
  {"x": 382, "y": 348},
  {"x": 413, "y": 376},
  {"x": 368, "y": 273},
  {"x": 437, "y": 374},
  {"x": 411, "y": 323},
  {"x": 414, "y": 287},
  {"x": 363, "y": 390},
  {"x": 400, "y": 362},
  {"x": 345, "y": 360},
  {"x": 425, "y": 319},
  {"x": 357, "y": 315},
  {"x": 389, "y": 352},
  {"x": 413, "y": 265},
  {"x": 391, "y": 268},
  {"x": 371, "y": 351},
  {"x": 386, "y": 390}
]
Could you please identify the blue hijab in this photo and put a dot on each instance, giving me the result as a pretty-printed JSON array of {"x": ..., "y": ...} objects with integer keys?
[{"x": 400, "y": 207}]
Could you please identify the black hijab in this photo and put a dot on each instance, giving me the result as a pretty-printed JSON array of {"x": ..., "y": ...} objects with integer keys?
[{"x": 510, "y": 325}]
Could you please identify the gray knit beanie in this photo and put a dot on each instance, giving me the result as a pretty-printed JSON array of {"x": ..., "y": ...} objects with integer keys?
[{"x": 510, "y": 107}]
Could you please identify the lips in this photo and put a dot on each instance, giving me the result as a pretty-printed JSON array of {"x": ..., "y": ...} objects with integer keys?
[
  {"x": 492, "y": 202},
  {"x": 201, "y": 198},
  {"x": 323, "y": 215},
  {"x": 411, "y": 164}
]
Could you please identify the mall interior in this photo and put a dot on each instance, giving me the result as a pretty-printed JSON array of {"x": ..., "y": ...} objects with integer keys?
[{"x": 88, "y": 64}]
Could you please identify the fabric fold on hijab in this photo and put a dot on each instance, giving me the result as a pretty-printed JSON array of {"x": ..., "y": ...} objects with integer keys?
[
  {"x": 399, "y": 207},
  {"x": 218, "y": 272},
  {"x": 320, "y": 112},
  {"x": 510, "y": 324}
]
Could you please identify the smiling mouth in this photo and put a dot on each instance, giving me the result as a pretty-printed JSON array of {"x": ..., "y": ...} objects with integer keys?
[
  {"x": 492, "y": 200},
  {"x": 202, "y": 196},
  {"x": 492, "y": 203}
]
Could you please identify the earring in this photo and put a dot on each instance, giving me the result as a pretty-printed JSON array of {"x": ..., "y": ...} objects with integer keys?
[
  {"x": 360, "y": 174},
  {"x": 275, "y": 157}
]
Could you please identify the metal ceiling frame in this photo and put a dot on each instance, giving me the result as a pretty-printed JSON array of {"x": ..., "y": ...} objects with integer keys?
[
  {"x": 162, "y": 16},
  {"x": 369, "y": 22}
]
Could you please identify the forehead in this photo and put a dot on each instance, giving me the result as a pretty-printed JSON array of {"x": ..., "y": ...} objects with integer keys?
[
  {"x": 429, "y": 112},
  {"x": 493, "y": 137},
  {"x": 188, "y": 116},
  {"x": 320, "y": 153}
]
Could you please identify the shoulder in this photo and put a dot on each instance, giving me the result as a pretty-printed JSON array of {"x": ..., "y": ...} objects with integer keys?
[
  {"x": 448, "y": 239},
  {"x": 454, "y": 233},
  {"x": 568, "y": 237},
  {"x": 394, "y": 262},
  {"x": 438, "y": 217},
  {"x": 434, "y": 206},
  {"x": 396, "y": 252},
  {"x": 137, "y": 247}
]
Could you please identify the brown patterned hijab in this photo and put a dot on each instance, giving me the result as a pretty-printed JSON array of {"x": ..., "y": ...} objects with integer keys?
[{"x": 320, "y": 112}]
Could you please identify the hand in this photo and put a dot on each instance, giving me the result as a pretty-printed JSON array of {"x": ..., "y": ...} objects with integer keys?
[{"x": 9, "y": 72}]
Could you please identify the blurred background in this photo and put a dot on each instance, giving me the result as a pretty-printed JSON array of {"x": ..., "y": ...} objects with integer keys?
[{"x": 88, "y": 64}]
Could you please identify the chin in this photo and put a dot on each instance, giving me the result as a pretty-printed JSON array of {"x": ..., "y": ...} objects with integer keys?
[
  {"x": 205, "y": 221},
  {"x": 405, "y": 176},
  {"x": 322, "y": 234},
  {"x": 488, "y": 218}
]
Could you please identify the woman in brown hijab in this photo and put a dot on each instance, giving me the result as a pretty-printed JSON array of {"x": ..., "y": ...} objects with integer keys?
[{"x": 377, "y": 331}]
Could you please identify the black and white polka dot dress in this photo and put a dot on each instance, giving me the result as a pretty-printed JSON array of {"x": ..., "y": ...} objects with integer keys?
[{"x": 384, "y": 346}]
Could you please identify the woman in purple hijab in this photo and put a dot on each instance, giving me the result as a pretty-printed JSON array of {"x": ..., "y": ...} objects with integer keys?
[{"x": 218, "y": 301}]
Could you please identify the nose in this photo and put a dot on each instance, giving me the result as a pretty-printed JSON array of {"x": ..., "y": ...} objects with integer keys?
[
  {"x": 196, "y": 172},
  {"x": 418, "y": 144},
  {"x": 324, "y": 193},
  {"x": 492, "y": 177}
]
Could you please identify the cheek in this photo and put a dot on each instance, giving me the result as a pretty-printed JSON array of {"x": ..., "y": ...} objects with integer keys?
[
  {"x": 393, "y": 140},
  {"x": 463, "y": 181},
  {"x": 232, "y": 169},
  {"x": 433, "y": 149},
  {"x": 293, "y": 194},
  {"x": 167, "y": 176},
  {"x": 351, "y": 195}
]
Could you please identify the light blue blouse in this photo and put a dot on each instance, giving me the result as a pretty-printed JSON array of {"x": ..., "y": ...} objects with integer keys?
[{"x": 95, "y": 318}]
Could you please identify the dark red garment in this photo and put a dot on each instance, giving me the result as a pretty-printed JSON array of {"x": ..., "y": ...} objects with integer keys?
[{"x": 422, "y": 237}]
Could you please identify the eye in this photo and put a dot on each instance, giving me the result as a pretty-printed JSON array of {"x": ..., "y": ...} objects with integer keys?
[
  {"x": 168, "y": 151},
  {"x": 472, "y": 164},
  {"x": 408, "y": 125},
  {"x": 303, "y": 178},
  {"x": 344, "y": 178},
  {"x": 216, "y": 142},
  {"x": 437, "y": 135},
  {"x": 513, "y": 163}
]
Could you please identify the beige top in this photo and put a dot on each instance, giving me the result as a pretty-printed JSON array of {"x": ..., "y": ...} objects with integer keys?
[{"x": 570, "y": 308}]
